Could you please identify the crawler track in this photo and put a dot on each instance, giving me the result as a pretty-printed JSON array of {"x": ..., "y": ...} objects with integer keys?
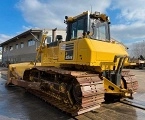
[
  {"x": 74, "y": 92},
  {"x": 131, "y": 82},
  {"x": 84, "y": 91}
]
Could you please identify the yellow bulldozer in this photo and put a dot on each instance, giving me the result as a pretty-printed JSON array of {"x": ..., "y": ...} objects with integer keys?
[{"x": 78, "y": 74}]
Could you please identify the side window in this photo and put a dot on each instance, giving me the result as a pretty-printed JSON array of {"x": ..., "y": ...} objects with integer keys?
[
  {"x": 74, "y": 30},
  {"x": 5, "y": 48},
  {"x": 100, "y": 31},
  {"x": 21, "y": 45},
  {"x": 80, "y": 28},
  {"x": 11, "y": 48},
  {"x": 16, "y": 46},
  {"x": 31, "y": 42}
]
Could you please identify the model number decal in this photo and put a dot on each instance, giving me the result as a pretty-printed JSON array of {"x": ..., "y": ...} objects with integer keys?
[{"x": 69, "y": 48}]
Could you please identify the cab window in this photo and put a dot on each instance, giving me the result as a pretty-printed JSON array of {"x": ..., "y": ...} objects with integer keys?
[
  {"x": 74, "y": 30},
  {"x": 78, "y": 27}
]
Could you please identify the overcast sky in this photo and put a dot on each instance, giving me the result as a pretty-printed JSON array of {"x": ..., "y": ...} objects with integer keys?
[{"x": 127, "y": 16}]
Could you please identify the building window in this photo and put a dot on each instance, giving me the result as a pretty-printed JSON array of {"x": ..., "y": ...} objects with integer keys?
[
  {"x": 16, "y": 46},
  {"x": 11, "y": 48},
  {"x": 22, "y": 45},
  {"x": 31, "y": 42},
  {"x": 5, "y": 49}
]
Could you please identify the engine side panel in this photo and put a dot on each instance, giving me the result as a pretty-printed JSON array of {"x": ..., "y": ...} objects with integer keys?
[{"x": 82, "y": 52}]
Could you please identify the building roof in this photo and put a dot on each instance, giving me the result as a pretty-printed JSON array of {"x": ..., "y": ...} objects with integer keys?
[{"x": 22, "y": 35}]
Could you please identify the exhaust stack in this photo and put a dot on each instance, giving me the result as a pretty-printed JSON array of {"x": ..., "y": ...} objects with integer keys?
[{"x": 53, "y": 34}]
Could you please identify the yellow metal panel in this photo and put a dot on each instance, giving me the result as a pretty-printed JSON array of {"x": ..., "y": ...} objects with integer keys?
[
  {"x": 108, "y": 84},
  {"x": 107, "y": 50},
  {"x": 49, "y": 56},
  {"x": 95, "y": 51},
  {"x": 83, "y": 51},
  {"x": 20, "y": 67}
]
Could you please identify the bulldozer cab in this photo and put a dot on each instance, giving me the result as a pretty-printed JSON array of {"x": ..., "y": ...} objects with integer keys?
[{"x": 94, "y": 26}]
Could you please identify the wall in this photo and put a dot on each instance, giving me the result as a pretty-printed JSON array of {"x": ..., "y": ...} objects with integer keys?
[{"x": 27, "y": 53}]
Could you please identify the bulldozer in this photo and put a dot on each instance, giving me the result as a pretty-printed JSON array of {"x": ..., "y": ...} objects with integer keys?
[{"x": 77, "y": 75}]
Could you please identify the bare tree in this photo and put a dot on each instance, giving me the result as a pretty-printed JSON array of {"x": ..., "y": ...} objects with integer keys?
[{"x": 137, "y": 49}]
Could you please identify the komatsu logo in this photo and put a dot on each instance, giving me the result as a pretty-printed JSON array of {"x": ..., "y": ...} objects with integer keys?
[{"x": 68, "y": 57}]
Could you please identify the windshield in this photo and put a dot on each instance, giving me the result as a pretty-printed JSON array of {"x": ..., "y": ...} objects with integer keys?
[{"x": 99, "y": 30}]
